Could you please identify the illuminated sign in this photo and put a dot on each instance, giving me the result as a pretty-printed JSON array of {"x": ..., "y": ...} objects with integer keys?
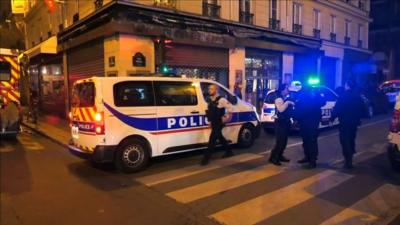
[{"x": 18, "y": 6}]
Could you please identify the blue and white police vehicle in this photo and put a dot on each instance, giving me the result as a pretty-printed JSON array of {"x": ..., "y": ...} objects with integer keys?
[
  {"x": 129, "y": 120},
  {"x": 268, "y": 113}
]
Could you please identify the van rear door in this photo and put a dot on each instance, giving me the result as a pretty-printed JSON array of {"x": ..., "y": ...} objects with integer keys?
[{"x": 85, "y": 123}]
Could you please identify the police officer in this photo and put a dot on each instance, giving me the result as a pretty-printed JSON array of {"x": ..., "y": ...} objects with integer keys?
[
  {"x": 282, "y": 124},
  {"x": 216, "y": 115},
  {"x": 349, "y": 109},
  {"x": 308, "y": 114}
]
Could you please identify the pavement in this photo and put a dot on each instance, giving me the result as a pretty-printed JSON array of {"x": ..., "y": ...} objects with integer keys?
[{"x": 41, "y": 183}]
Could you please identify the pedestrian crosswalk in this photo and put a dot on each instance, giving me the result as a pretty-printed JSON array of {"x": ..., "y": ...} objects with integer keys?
[{"x": 261, "y": 193}]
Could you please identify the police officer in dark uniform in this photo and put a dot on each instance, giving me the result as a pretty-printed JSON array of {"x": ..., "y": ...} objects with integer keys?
[
  {"x": 284, "y": 109},
  {"x": 216, "y": 115},
  {"x": 349, "y": 109},
  {"x": 308, "y": 114}
]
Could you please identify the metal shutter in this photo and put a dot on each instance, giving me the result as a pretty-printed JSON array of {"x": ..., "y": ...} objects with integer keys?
[
  {"x": 195, "y": 56},
  {"x": 86, "y": 61}
]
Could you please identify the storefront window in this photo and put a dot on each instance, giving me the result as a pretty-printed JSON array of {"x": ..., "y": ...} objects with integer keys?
[
  {"x": 217, "y": 74},
  {"x": 262, "y": 75}
]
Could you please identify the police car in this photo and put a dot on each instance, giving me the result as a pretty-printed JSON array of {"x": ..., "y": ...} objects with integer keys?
[
  {"x": 268, "y": 113},
  {"x": 128, "y": 120}
]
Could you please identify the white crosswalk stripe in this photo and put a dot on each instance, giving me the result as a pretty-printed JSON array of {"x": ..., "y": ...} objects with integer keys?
[
  {"x": 369, "y": 210},
  {"x": 267, "y": 205},
  {"x": 224, "y": 184},
  {"x": 171, "y": 175}
]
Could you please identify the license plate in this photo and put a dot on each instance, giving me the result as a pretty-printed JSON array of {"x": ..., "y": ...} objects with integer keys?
[{"x": 75, "y": 131}]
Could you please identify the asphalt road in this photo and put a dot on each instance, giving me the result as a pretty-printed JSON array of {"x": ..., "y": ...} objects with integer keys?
[{"x": 42, "y": 184}]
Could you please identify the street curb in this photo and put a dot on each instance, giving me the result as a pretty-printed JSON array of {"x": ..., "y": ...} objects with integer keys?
[{"x": 36, "y": 130}]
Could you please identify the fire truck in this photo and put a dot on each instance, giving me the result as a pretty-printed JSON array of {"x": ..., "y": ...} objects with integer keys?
[{"x": 10, "y": 113}]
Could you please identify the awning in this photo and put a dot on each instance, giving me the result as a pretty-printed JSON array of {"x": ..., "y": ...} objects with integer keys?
[{"x": 48, "y": 46}]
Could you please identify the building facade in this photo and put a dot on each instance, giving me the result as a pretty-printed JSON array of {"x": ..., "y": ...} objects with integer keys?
[
  {"x": 250, "y": 46},
  {"x": 385, "y": 33}
]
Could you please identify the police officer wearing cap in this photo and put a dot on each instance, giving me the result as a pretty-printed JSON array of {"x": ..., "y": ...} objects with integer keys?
[
  {"x": 216, "y": 113},
  {"x": 284, "y": 109}
]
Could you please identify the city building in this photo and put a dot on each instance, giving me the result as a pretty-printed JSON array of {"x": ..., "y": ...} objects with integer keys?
[
  {"x": 385, "y": 34},
  {"x": 250, "y": 46}
]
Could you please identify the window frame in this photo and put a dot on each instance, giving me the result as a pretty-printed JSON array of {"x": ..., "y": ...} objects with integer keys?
[
  {"x": 317, "y": 19},
  {"x": 297, "y": 13},
  {"x": 347, "y": 28},
  {"x": 150, "y": 83},
  {"x": 273, "y": 10},
  {"x": 333, "y": 24},
  {"x": 158, "y": 97}
]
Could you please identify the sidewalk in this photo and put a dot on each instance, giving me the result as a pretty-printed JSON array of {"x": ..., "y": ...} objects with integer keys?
[{"x": 52, "y": 127}]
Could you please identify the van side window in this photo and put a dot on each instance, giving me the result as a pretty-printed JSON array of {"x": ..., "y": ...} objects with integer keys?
[
  {"x": 170, "y": 93},
  {"x": 222, "y": 92},
  {"x": 133, "y": 93},
  {"x": 5, "y": 71}
]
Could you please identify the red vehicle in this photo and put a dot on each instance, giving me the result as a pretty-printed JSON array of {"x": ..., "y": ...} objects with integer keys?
[{"x": 10, "y": 116}]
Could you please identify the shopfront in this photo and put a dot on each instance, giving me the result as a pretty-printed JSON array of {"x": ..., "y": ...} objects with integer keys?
[
  {"x": 199, "y": 62},
  {"x": 263, "y": 73}
]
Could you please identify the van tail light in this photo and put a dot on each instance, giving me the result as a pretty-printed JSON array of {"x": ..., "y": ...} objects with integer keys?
[{"x": 99, "y": 123}]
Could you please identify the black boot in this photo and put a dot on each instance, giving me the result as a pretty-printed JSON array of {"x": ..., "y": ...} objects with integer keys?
[
  {"x": 311, "y": 165},
  {"x": 284, "y": 159},
  {"x": 227, "y": 154},
  {"x": 275, "y": 161},
  {"x": 301, "y": 161},
  {"x": 205, "y": 161}
]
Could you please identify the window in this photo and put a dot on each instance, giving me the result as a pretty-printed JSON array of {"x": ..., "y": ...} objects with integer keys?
[
  {"x": 83, "y": 95},
  {"x": 165, "y": 3},
  {"x": 5, "y": 71},
  {"x": 274, "y": 9},
  {"x": 333, "y": 24},
  {"x": 360, "y": 32},
  {"x": 244, "y": 5},
  {"x": 327, "y": 94},
  {"x": 222, "y": 92},
  {"x": 347, "y": 28},
  {"x": 317, "y": 19},
  {"x": 133, "y": 93},
  {"x": 175, "y": 93},
  {"x": 297, "y": 13}
]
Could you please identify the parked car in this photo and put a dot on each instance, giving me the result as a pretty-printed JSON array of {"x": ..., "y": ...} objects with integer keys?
[
  {"x": 268, "y": 113},
  {"x": 393, "y": 148},
  {"x": 391, "y": 89}
]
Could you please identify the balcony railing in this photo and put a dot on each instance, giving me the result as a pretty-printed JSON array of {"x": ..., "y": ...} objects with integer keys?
[
  {"x": 246, "y": 17},
  {"x": 274, "y": 24},
  {"x": 333, "y": 37},
  {"x": 347, "y": 40},
  {"x": 297, "y": 29},
  {"x": 317, "y": 33},
  {"x": 211, "y": 10},
  {"x": 360, "y": 43}
]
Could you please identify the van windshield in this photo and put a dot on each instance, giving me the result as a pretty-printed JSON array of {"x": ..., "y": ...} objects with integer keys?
[
  {"x": 83, "y": 95},
  {"x": 5, "y": 71}
]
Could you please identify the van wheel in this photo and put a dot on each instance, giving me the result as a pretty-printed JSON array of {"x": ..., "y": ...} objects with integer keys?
[
  {"x": 246, "y": 136},
  {"x": 132, "y": 156}
]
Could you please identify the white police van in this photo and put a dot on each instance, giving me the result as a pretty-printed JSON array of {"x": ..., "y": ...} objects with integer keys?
[
  {"x": 128, "y": 120},
  {"x": 268, "y": 113}
]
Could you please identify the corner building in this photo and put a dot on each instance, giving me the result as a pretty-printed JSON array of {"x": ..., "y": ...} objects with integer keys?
[{"x": 250, "y": 46}]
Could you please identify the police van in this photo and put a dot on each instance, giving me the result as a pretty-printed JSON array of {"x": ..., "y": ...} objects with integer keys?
[
  {"x": 128, "y": 120},
  {"x": 268, "y": 113}
]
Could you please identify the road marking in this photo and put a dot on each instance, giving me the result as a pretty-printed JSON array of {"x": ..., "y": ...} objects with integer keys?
[
  {"x": 326, "y": 136},
  {"x": 30, "y": 145},
  {"x": 170, "y": 175},
  {"x": 216, "y": 186},
  {"x": 267, "y": 205},
  {"x": 379, "y": 207}
]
